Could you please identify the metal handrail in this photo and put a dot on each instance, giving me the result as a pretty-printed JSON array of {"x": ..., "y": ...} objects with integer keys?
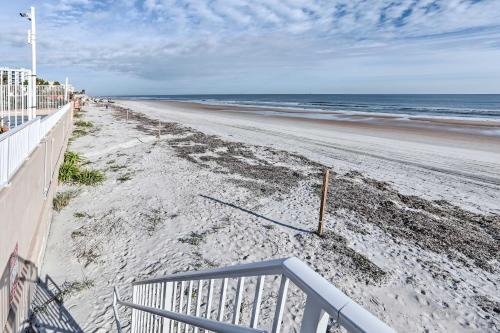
[
  {"x": 16, "y": 129},
  {"x": 254, "y": 269},
  {"x": 48, "y": 122},
  {"x": 200, "y": 322},
  {"x": 323, "y": 299}
]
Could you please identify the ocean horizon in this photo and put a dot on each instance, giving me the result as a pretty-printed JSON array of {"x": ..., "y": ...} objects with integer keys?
[{"x": 324, "y": 106}]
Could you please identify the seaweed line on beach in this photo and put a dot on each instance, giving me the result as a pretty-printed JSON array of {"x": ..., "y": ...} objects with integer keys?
[
  {"x": 258, "y": 169},
  {"x": 434, "y": 225}
]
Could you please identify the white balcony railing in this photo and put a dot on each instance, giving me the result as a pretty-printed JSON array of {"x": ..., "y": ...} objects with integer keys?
[
  {"x": 17, "y": 144},
  {"x": 50, "y": 97},
  {"x": 20, "y": 98},
  {"x": 166, "y": 305},
  {"x": 51, "y": 120}
]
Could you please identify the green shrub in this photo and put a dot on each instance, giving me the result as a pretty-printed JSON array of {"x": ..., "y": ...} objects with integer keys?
[
  {"x": 69, "y": 169},
  {"x": 71, "y": 172}
]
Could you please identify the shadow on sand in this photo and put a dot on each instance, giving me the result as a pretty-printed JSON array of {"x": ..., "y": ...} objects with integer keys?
[
  {"x": 255, "y": 214},
  {"x": 48, "y": 313}
]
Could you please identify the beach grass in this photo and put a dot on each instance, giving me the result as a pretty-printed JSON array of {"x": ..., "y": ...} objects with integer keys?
[
  {"x": 69, "y": 169},
  {"x": 82, "y": 128},
  {"x": 80, "y": 214},
  {"x": 72, "y": 173},
  {"x": 124, "y": 177},
  {"x": 62, "y": 199},
  {"x": 194, "y": 238},
  {"x": 83, "y": 123},
  {"x": 116, "y": 167},
  {"x": 77, "y": 133},
  {"x": 90, "y": 177}
]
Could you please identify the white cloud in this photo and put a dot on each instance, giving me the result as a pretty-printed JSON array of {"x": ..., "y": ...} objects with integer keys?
[{"x": 172, "y": 40}]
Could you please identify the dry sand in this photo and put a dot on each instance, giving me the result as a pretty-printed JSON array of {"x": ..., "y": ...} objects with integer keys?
[{"x": 413, "y": 218}]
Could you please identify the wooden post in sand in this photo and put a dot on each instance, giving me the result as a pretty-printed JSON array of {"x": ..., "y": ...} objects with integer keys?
[
  {"x": 127, "y": 115},
  {"x": 159, "y": 129},
  {"x": 324, "y": 192}
]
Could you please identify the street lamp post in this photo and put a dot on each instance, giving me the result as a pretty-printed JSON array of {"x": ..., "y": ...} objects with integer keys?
[
  {"x": 32, "y": 40},
  {"x": 66, "y": 92}
]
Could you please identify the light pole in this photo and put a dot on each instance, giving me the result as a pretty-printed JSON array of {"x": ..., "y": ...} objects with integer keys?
[
  {"x": 66, "y": 91},
  {"x": 32, "y": 40}
]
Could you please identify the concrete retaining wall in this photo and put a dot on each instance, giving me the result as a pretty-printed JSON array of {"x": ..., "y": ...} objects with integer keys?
[{"x": 25, "y": 215}]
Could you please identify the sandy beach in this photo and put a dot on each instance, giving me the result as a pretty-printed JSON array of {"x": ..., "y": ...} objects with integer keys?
[
  {"x": 413, "y": 213},
  {"x": 388, "y": 151}
]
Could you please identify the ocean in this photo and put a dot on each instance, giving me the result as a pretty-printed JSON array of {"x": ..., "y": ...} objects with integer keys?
[{"x": 482, "y": 107}]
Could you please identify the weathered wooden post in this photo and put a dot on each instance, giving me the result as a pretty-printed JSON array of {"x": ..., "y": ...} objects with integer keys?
[
  {"x": 159, "y": 129},
  {"x": 127, "y": 115},
  {"x": 324, "y": 192}
]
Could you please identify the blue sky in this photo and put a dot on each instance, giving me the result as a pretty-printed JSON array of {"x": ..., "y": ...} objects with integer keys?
[{"x": 261, "y": 46}]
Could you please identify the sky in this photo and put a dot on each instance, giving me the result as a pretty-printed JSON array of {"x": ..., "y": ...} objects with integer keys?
[{"x": 123, "y": 47}]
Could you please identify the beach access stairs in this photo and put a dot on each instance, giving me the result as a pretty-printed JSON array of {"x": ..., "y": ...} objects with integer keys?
[{"x": 184, "y": 302}]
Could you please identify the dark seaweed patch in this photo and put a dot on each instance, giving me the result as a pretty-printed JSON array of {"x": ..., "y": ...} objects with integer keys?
[{"x": 435, "y": 225}]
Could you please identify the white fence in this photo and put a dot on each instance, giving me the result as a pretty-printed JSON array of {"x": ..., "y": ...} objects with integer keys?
[
  {"x": 50, "y": 97},
  {"x": 17, "y": 144},
  {"x": 17, "y": 105},
  {"x": 15, "y": 97},
  {"x": 50, "y": 121},
  {"x": 14, "y": 105},
  {"x": 174, "y": 303}
]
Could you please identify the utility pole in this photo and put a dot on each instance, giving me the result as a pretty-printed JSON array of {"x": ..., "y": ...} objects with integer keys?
[
  {"x": 66, "y": 92},
  {"x": 32, "y": 40},
  {"x": 33, "y": 59}
]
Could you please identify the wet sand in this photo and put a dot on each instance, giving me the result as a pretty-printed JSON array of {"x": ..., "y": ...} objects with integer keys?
[{"x": 463, "y": 131}]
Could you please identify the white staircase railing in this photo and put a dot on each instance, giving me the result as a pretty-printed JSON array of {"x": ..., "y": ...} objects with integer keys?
[{"x": 165, "y": 305}]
